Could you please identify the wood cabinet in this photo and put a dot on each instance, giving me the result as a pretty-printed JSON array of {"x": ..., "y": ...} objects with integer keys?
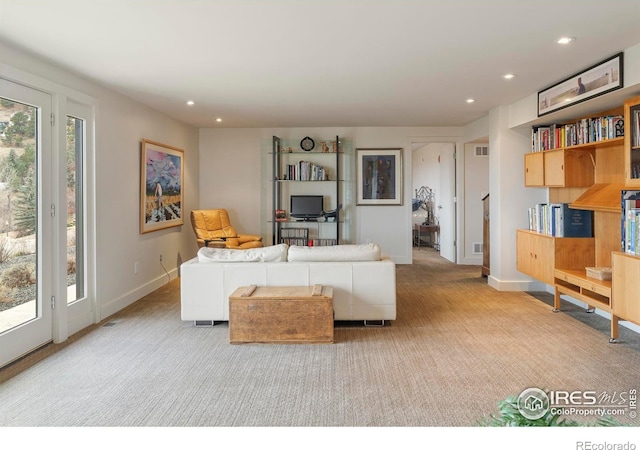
[
  {"x": 534, "y": 169},
  {"x": 560, "y": 168},
  {"x": 625, "y": 281},
  {"x": 604, "y": 168},
  {"x": 538, "y": 255},
  {"x": 569, "y": 167},
  {"x": 592, "y": 291}
]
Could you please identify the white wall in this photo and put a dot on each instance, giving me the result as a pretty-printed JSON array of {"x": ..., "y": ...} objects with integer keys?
[
  {"x": 232, "y": 175},
  {"x": 120, "y": 125},
  {"x": 509, "y": 199},
  {"x": 476, "y": 185}
]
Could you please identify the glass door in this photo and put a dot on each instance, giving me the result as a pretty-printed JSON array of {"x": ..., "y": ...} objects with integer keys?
[
  {"x": 26, "y": 212},
  {"x": 79, "y": 309}
]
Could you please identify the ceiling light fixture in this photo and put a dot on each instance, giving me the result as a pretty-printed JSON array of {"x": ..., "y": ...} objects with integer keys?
[
  {"x": 190, "y": 102},
  {"x": 470, "y": 100},
  {"x": 565, "y": 40},
  {"x": 508, "y": 76},
  {"x": 218, "y": 119}
]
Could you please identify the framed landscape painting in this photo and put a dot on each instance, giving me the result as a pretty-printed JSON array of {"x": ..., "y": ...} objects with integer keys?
[
  {"x": 604, "y": 77},
  {"x": 379, "y": 176},
  {"x": 161, "y": 186}
]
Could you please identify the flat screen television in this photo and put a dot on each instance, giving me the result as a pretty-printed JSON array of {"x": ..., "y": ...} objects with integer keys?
[{"x": 306, "y": 207}]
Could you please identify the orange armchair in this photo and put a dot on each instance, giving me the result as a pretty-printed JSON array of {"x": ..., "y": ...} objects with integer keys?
[{"x": 213, "y": 225}]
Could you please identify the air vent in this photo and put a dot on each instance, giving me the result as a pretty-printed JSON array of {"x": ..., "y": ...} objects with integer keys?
[
  {"x": 482, "y": 150},
  {"x": 477, "y": 248}
]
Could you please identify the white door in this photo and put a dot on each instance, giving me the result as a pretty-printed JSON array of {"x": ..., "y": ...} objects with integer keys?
[
  {"x": 26, "y": 240},
  {"x": 446, "y": 207}
]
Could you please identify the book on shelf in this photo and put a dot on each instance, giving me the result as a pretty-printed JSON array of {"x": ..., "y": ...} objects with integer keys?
[
  {"x": 572, "y": 222},
  {"x": 584, "y": 131},
  {"x": 306, "y": 171},
  {"x": 630, "y": 226},
  {"x": 322, "y": 242},
  {"x": 294, "y": 241},
  {"x": 635, "y": 128},
  {"x": 295, "y": 232},
  {"x": 557, "y": 219}
]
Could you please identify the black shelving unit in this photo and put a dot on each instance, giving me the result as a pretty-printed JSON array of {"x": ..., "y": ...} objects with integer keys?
[{"x": 282, "y": 160}]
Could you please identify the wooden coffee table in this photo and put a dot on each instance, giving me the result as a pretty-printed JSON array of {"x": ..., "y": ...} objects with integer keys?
[{"x": 281, "y": 314}]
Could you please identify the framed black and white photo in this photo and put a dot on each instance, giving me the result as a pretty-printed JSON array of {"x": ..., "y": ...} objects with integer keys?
[
  {"x": 379, "y": 176},
  {"x": 604, "y": 77}
]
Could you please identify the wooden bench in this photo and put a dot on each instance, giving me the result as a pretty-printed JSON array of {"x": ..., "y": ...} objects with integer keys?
[{"x": 281, "y": 314}]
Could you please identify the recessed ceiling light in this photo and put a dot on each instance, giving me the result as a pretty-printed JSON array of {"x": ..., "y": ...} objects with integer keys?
[
  {"x": 565, "y": 40},
  {"x": 508, "y": 76},
  {"x": 190, "y": 102},
  {"x": 470, "y": 100},
  {"x": 218, "y": 119}
]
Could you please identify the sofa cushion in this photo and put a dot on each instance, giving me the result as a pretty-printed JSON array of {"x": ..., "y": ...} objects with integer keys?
[
  {"x": 362, "y": 252},
  {"x": 273, "y": 253}
]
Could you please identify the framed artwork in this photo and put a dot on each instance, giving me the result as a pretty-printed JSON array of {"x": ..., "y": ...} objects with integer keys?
[
  {"x": 604, "y": 77},
  {"x": 161, "y": 186},
  {"x": 379, "y": 176}
]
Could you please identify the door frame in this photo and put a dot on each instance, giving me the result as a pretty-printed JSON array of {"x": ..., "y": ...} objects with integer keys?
[
  {"x": 65, "y": 322},
  {"x": 459, "y": 184}
]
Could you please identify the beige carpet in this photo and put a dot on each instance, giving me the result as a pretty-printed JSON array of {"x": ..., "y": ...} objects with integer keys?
[{"x": 457, "y": 348}]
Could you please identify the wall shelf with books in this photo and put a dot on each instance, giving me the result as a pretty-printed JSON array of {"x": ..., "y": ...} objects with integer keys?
[
  {"x": 302, "y": 170},
  {"x": 566, "y": 155},
  {"x": 630, "y": 222},
  {"x": 608, "y": 125},
  {"x": 596, "y": 170}
]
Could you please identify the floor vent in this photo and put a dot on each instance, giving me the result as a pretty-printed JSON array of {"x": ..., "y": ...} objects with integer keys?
[
  {"x": 109, "y": 324},
  {"x": 477, "y": 248}
]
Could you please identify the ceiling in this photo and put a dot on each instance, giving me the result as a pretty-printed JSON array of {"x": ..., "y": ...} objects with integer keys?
[{"x": 304, "y": 63}]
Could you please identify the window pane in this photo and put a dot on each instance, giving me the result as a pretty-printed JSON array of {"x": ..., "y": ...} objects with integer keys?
[
  {"x": 75, "y": 235},
  {"x": 18, "y": 218}
]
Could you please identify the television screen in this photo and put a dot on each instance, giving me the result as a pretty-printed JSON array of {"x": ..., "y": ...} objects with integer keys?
[{"x": 306, "y": 206}]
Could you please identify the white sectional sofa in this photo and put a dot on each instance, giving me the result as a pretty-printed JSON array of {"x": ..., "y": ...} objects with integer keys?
[{"x": 364, "y": 283}]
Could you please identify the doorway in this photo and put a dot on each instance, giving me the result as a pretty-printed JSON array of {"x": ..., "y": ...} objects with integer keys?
[{"x": 434, "y": 171}]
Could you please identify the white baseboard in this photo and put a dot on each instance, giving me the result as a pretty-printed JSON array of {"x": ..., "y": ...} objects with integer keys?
[
  {"x": 131, "y": 297},
  {"x": 472, "y": 260},
  {"x": 515, "y": 285}
]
